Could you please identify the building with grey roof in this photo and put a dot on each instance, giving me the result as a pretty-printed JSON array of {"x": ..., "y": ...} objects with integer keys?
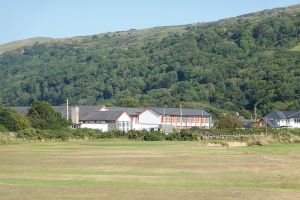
[
  {"x": 153, "y": 118},
  {"x": 281, "y": 119}
]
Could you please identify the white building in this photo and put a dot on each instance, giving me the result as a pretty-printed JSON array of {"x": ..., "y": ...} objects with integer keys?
[
  {"x": 174, "y": 118},
  {"x": 106, "y": 121},
  {"x": 281, "y": 119},
  {"x": 153, "y": 118},
  {"x": 133, "y": 113}
]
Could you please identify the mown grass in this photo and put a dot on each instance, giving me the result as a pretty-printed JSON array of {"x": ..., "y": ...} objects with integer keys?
[{"x": 122, "y": 169}]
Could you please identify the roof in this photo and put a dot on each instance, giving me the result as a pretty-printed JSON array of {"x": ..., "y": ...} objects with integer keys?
[
  {"x": 271, "y": 122},
  {"x": 102, "y": 116},
  {"x": 177, "y": 111},
  {"x": 21, "y": 110},
  {"x": 130, "y": 111},
  {"x": 283, "y": 114},
  {"x": 83, "y": 110},
  {"x": 295, "y": 115}
]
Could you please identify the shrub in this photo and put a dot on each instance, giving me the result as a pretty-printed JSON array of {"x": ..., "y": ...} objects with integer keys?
[
  {"x": 154, "y": 136},
  {"x": 144, "y": 135},
  {"x": 229, "y": 121},
  {"x": 136, "y": 135},
  {"x": 30, "y": 134},
  {"x": 13, "y": 121},
  {"x": 42, "y": 116},
  {"x": 174, "y": 136},
  {"x": 2, "y": 128},
  {"x": 183, "y": 135}
]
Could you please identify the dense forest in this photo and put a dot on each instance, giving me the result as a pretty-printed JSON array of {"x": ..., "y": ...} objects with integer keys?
[{"x": 233, "y": 64}]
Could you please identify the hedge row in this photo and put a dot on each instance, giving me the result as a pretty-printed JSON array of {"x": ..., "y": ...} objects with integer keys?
[{"x": 183, "y": 135}]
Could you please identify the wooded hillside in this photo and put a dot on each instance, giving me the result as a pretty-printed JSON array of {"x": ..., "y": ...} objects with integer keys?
[{"x": 232, "y": 64}]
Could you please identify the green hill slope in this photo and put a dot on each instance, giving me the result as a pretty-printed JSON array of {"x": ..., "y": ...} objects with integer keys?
[
  {"x": 22, "y": 43},
  {"x": 232, "y": 64}
]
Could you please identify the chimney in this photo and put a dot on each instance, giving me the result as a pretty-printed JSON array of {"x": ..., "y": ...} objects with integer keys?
[{"x": 75, "y": 115}]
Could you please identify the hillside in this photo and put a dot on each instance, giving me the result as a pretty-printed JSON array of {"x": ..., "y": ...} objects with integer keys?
[
  {"x": 22, "y": 43},
  {"x": 232, "y": 64}
]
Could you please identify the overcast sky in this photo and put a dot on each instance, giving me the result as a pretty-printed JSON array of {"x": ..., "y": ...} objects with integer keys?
[{"x": 22, "y": 19}]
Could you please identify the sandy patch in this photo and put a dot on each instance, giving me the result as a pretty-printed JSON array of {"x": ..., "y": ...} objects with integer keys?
[
  {"x": 237, "y": 144},
  {"x": 214, "y": 145}
]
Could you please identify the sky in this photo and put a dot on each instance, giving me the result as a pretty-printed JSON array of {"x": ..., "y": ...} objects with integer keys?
[{"x": 21, "y": 19}]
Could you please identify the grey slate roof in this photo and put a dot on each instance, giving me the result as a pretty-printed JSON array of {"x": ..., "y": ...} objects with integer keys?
[
  {"x": 295, "y": 115},
  {"x": 177, "y": 111},
  {"x": 88, "y": 112},
  {"x": 283, "y": 114},
  {"x": 21, "y": 110},
  {"x": 130, "y": 111},
  {"x": 83, "y": 110},
  {"x": 271, "y": 122},
  {"x": 102, "y": 116}
]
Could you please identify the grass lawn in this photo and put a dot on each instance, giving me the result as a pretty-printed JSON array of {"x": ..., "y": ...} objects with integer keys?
[{"x": 148, "y": 170}]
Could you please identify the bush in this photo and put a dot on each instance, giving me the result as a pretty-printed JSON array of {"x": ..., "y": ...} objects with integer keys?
[
  {"x": 154, "y": 136},
  {"x": 2, "y": 128},
  {"x": 42, "y": 116},
  {"x": 183, "y": 135},
  {"x": 13, "y": 121},
  {"x": 30, "y": 134},
  {"x": 229, "y": 121},
  {"x": 136, "y": 135},
  {"x": 144, "y": 135}
]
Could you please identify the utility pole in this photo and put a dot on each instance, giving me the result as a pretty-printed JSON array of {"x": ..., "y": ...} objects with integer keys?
[
  {"x": 67, "y": 109},
  {"x": 180, "y": 117},
  {"x": 165, "y": 117},
  {"x": 255, "y": 113}
]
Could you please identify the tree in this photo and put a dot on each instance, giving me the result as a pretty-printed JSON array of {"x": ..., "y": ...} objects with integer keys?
[
  {"x": 42, "y": 116},
  {"x": 229, "y": 121},
  {"x": 130, "y": 102}
]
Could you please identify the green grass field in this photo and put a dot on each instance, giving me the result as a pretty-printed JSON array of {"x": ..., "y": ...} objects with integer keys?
[{"x": 148, "y": 170}]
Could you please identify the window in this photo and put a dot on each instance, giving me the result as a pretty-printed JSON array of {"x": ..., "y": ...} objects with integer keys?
[
  {"x": 167, "y": 118},
  {"x": 188, "y": 119},
  {"x": 120, "y": 125},
  {"x": 297, "y": 120},
  {"x": 207, "y": 120},
  {"x": 178, "y": 119}
]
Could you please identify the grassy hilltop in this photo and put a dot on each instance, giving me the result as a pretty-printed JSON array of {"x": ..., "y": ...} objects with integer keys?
[{"x": 233, "y": 64}]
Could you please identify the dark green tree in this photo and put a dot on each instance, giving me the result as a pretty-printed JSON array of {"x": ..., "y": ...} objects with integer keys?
[{"x": 42, "y": 116}]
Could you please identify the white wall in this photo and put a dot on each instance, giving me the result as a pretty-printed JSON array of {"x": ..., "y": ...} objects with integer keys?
[
  {"x": 294, "y": 124},
  {"x": 149, "y": 117},
  {"x": 124, "y": 118},
  {"x": 146, "y": 127},
  {"x": 123, "y": 123},
  {"x": 102, "y": 127}
]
